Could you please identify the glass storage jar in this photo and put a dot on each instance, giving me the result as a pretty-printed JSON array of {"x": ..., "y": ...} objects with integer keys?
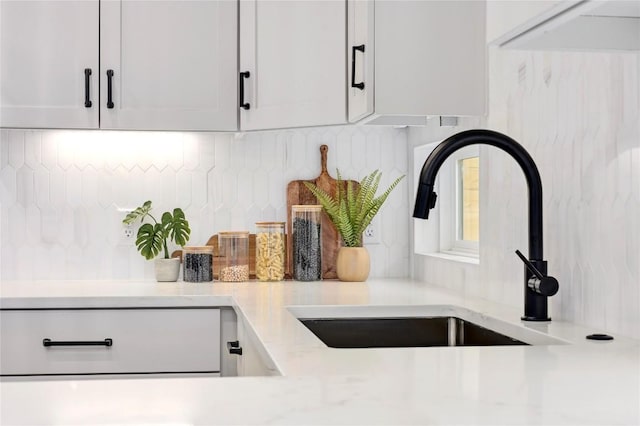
[
  {"x": 197, "y": 263},
  {"x": 270, "y": 248},
  {"x": 306, "y": 234},
  {"x": 233, "y": 248}
]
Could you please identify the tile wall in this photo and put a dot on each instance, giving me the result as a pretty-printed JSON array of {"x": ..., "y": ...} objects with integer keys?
[
  {"x": 578, "y": 114},
  {"x": 61, "y": 192}
]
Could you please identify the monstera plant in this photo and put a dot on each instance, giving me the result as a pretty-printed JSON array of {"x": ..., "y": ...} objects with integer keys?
[{"x": 152, "y": 238}]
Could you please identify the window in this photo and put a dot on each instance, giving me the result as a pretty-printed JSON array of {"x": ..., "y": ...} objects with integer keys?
[
  {"x": 453, "y": 227},
  {"x": 467, "y": 209},
  {"x": 460, "y": 212}
]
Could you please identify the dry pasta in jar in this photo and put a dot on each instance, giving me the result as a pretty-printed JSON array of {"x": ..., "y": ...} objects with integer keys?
[{"x": 270, "y": 251}]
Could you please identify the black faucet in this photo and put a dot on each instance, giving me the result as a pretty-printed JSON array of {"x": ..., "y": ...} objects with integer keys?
[{"x": 537, "y": 285}]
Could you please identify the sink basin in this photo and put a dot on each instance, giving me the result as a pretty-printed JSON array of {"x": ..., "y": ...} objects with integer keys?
[
  {"x": 404, "y": 332},
  {"x": 402, "y": 326}
]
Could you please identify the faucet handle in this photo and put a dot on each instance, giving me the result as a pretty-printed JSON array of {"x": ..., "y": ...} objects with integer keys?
[{"x": 542, "y": 284}]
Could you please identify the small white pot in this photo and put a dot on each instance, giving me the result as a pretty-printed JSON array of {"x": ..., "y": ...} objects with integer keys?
[{"x": 167, "y": 270}]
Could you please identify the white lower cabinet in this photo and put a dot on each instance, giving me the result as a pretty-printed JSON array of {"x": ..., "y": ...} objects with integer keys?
[
  {"x": 252, "y": 358},
  {"x": 110, "y": 341}
]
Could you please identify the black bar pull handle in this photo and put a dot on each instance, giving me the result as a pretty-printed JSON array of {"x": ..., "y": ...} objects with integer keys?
[
  {"x": 243, "y": 104},
  {"x": 234, "y": 348},
  {"x": 542, "y": 284},
  {"x": 354, "y": 49},
  {"x": 87, "y": 93},
  {"x": 106, "y": 342},
  {"x": 110, "y": 89}
]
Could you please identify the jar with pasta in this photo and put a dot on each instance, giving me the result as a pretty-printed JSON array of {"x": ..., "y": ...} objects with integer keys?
[
  {"x": 270, "y": 249},
  {"x": 233, "y": 247}
]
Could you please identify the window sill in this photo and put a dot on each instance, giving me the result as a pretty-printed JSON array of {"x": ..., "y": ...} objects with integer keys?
[{"x": 455, "y": 257}]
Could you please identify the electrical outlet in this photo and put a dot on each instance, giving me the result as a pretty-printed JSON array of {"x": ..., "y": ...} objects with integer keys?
[
  {"x": 127, "y": 232},
  {"x": 127, "y": 236},
  {"x": 372, "y": 234}
]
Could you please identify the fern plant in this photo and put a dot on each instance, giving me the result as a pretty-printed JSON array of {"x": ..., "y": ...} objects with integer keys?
[
  {"x": 152, "y": 237},
  {"x": 353, "y": 208}
]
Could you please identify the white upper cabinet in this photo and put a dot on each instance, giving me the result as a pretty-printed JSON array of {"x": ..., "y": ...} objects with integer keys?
[
  {"x": 360, "y": 30},
  {"x": 292, "y": 63},
  {"x": 48, "y": 52},
  {"x": 171, "y": 65},
  {"x": 565, "y": 24},
  {"x": 416, "y": 58}
]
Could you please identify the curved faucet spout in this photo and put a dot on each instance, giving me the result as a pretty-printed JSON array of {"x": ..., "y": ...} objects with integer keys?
[
  {"x": 426, "y": 197},
  {"x": 535, "y": 309}
]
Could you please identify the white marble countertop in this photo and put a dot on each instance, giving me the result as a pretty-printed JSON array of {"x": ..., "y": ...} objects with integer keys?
[{"x": 580, "y": 382}]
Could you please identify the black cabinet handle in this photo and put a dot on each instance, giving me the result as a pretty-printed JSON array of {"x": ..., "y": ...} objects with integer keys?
[
  {"x": 243, "y": 104},
  {"x": 355, "y": 49},
  {"x": 234, "y": 348},
  {"x": 87, "y": 94},
  {"x": 109, "y": 89},
  {"x": 105, "y": 342}
]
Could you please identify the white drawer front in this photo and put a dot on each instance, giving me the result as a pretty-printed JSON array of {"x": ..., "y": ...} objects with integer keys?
[{"x": 143, "y": 341}]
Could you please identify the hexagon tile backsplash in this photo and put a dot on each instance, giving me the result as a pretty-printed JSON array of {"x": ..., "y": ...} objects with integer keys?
[{"x": 62, "y": 192}]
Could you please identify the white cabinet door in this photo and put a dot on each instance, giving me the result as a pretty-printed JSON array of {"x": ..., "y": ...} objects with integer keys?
[
  {"x": 360, "y": 58},
  {"x": 254, "y": 360},
  {"x": 294, "y": 52},
  {"x": 173, "y": 64},
  {"x": 429, "y": 58},
  {"x": 45, "y": 47},
  {"x": 109, "y": 341}
]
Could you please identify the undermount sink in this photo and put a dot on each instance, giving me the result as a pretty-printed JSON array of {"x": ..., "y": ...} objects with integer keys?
[
  {"x": 404, "y": 333},
  {"x": 410, "y": 326}
]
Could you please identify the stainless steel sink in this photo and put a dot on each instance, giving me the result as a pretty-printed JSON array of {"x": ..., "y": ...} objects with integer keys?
[
  {"x": 404, "y": 332},
  {"x": 390, "y": 326}
]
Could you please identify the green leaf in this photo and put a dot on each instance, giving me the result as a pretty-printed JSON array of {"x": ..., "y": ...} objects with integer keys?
[
  {"x": 177, "y": 227},
  {"x": 150, "y": 240},
  {"x": 352, "y": 210},
  {"x": 140, "y": 212}
]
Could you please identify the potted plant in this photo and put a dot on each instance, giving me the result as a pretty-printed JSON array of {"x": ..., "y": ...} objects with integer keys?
[
  {"x": 152, "y": 238},
  {"x": 351, "y": 211}
]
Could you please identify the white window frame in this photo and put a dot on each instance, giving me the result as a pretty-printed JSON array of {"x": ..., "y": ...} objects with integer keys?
[
  {"x": 439, "y": 235},
  {"x": 451, "y": 213}
]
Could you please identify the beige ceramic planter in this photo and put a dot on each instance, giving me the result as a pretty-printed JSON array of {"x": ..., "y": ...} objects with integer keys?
[
  {"x": 353, "y": 264},
  {"x": 167, "y": 270}
]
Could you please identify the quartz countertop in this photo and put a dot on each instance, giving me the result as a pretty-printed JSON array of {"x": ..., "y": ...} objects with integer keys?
[{"x": 577, "y": 382}]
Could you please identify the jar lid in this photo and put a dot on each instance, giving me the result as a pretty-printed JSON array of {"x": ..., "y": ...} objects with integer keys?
[
  {"x": 235, "y": 234},
  {"x": 306, "y": 207},
  {"x": 198, "y": 249},
  {"x": 270, "y": 223}
]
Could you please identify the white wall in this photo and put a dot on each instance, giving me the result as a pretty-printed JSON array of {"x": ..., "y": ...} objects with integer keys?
[
  {"x": 578, "y": 114},
  {"x": 60, "y": 191}
]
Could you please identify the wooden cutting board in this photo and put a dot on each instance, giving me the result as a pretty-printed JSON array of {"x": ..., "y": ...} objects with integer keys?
[{"x": 297, "y": 193}]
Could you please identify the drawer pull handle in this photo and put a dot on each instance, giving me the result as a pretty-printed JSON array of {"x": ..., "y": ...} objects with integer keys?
[
  {"x": 243, "y": 104},
  {"x": 110, "y": 104},
  {"x": 87, "y": 94},
  {"x": 105, "y": 342},
  {"x": 234, "y": 348},
  {"x": 355, "y": 49}
]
